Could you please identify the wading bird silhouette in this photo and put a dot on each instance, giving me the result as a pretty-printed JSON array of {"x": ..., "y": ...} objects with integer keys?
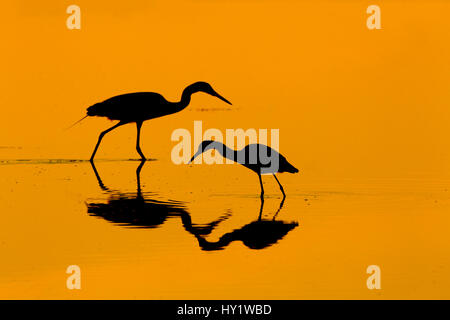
[
  {"x": 257, "y": 157},
  {"x": 258, "y": 234},
  {"x": 141, "y": 210},
  {"x": 141, "y": 106}
]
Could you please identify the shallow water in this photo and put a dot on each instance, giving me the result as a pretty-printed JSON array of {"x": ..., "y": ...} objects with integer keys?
[
  {"x": 362, "y": 113},
  {"x": 198, "y": 234}
]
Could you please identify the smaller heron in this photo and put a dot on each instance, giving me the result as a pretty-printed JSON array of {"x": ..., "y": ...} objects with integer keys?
[{"x": 257, "y": 157}]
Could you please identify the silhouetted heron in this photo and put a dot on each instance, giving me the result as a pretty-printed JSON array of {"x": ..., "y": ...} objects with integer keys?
[
  {"x": 141, "y": 106},
  {"x": 257, "y": 157}
]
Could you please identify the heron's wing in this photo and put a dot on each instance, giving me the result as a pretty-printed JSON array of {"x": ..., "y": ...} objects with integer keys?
[{"x": 130, "y": 106}]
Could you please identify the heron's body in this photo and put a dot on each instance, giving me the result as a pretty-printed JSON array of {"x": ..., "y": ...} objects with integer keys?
[
  {"x": 258, "y": 234},
  {"x": 133, "y": 107},
  {"x": 141, "y": 106},
  {"x": 259, "y": 158}
]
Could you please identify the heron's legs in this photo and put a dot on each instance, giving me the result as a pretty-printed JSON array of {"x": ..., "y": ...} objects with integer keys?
[
  {"x": 279, "y": 209},
  {"x": 281, "y": 187},
  {"x": 138, "y": 177},
  {"x": 261, "y": 208},
  {"x": 138, "y": 148},
  {"x": 100, "y": 137},
  {"x": 262, "y": 188},
  {"x": 99, "y": 180}
]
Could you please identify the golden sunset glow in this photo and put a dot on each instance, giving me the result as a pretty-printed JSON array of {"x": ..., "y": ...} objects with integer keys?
[{"x": 363, "y": 114}]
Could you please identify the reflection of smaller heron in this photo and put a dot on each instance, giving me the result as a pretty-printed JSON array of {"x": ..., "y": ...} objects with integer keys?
[
  {"x": 140, "y": 210},
  {"x": 258, "y": 234},
  {"x": 257, "y": 157}
]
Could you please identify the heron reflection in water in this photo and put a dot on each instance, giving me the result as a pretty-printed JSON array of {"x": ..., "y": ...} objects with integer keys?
[
  {"x": 139, "y": 210},
  {"x": 259, "y": 234}
]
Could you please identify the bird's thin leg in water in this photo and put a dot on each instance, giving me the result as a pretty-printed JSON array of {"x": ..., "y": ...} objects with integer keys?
[
  {"x": 281, "y": 187},
  {"x": 99, "y": 180},
  {"x": 262, "y": 188},
  {"x": 100, "y": 137},
  {"x": 138, "y": 148},
  {"x": 261, "y": 208},
  {"x": 279, "y": 209},
  {"x": 138, "y": 176}
]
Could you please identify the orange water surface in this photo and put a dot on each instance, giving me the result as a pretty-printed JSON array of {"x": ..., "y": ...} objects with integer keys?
[{"x": 364, "y": 114}]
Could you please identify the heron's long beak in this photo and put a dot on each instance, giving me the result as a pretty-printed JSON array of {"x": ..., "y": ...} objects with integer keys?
[{"x": 221, "y": 98}]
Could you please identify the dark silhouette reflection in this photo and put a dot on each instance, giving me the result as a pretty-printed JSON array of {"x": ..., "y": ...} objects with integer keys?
[
  {"x": 139, "y": 210},
  {"x": 258, "y": 234}
]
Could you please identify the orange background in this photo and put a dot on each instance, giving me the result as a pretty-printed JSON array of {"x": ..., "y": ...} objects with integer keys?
[{"x": 367, "y": 109}]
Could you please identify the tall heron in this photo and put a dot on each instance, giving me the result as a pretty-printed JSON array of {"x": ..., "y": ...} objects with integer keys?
[{"x": 141, "y": 106}]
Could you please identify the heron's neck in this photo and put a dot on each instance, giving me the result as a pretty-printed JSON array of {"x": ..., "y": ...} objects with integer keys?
[
  {"x": 185, "y": 98},
  {"x": 224, "y": 241},
  {"x": 225, "y": 151}
]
